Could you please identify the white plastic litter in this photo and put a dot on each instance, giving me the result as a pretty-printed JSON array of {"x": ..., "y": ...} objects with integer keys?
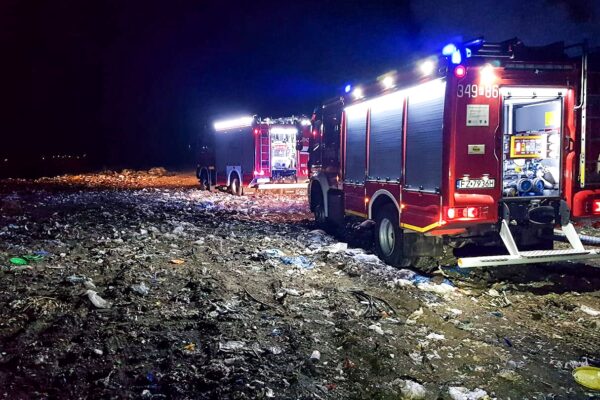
[
  {"x": 335, "y": 248},
  {"x": 96, "y": 300},
  {"x": 316, "y": 355},
  {"x": 462, "y": 393},
  {"x": 590, "y": 311},
  {"x": 88, "y": 284},
  {"x": 442, "y": 288},
  {"x": 435, "y": 336},
  {"x": 232, "y": 345},
  {"x": 411, "y": 390},
  {"x": 140, "y": 289},
  {"x": 412, "y": 318},
  {"x": 376, "y": 328},
  {"x": 367, "y": 258}
]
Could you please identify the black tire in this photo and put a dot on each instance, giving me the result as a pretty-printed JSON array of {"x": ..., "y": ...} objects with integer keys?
[
  {"x": 204, "y": 182},
  {"x": 319, "y": 209},
  {"x": 389, "y": 237},
  {"x": 235, "y": 187}
]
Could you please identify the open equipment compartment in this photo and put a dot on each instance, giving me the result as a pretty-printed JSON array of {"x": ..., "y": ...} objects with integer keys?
[
  {"x": 532, "y": 133},
  {"x": 283, "y": 152}
]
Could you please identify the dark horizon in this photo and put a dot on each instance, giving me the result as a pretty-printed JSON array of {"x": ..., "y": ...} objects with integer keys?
[{"x": 133, "y": 84}]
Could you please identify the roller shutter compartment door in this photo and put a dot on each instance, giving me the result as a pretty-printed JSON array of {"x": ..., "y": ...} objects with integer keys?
[
  {"x": 356, "y": 145},
  {"x": 424, "y": 140},
  {"x": 385, "y": 142}
]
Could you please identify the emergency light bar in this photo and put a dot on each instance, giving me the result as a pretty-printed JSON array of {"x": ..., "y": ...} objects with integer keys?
[{"x": 240, "y": 122}]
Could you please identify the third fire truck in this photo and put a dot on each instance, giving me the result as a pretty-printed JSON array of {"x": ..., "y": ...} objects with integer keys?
[{"x": 488, "y": 147}]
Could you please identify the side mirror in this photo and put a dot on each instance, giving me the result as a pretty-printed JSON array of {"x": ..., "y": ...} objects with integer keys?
[{"x": 301, "y": 139}]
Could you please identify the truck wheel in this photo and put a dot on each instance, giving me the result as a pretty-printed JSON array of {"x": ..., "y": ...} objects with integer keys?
[
  {"x": 388, "y": 237},
  {"x": 234, "y": 187},
  {"x": 319, "y": 211}
]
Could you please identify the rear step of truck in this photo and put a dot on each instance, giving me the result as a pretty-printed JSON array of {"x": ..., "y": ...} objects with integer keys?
[{"x": 577, "y": 252}]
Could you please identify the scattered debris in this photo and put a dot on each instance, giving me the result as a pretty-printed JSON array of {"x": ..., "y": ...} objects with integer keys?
[
  {"x": 140, "y": 288},
  {"x": 96, "y": 300},
  {"x": 590, "y": 311},
  {"x": 18, "y": 261},
  {"x": 232, "y": 345},
  {"x": 462, "y": 393},
  {"x": 259, "y": 290},
  {"x": 315, "y": 356},
  {"x": 435, "y": 336},
  {"x": 588, "y": 377},
  {"x": 411, "y": 390}
]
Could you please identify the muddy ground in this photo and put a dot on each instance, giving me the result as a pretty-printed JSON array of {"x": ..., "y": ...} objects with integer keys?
[{"x": 209, "y": 296}]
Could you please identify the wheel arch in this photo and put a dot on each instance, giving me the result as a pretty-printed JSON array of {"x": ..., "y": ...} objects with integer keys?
[
  {"x": 321, "y": 181},
  {"x": 201, "y": 170},
  {"x": 231, "y": 173},
  {"x": 379, "y": 199}
]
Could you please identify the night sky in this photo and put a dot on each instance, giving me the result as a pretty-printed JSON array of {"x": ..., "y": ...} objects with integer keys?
[{"x": 134, "y": 83}]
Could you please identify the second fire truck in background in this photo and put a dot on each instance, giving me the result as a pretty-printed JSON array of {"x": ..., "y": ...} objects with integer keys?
[{"x": 249, "y": 152}]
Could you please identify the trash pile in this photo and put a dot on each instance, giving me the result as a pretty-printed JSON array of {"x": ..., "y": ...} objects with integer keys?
[
  {"x": 157, "y": 292},
  {"x": 125, "y": 179}
]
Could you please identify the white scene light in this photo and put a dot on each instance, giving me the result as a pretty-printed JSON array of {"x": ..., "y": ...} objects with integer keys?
[
  {"x": 280, "y": 130},
  {"x": 388, "y": 82},
  {"x": 305, "y": 122},
  {"x": 357, "y": 93},
  {"x": 487, "y": 75},
  {"x": 427, "y": 67},
  {"x": 240, "y": 122}
]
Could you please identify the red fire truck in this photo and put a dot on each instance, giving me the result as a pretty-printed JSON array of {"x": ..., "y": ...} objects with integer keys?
[
  {"x": 249, "y": 152},
  {"x": 487, "y": 147}
]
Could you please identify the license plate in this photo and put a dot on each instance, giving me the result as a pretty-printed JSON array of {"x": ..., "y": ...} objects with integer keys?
[{"x": 475, "y": 184}]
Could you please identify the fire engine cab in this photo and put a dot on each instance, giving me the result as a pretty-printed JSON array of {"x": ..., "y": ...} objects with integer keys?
[
  {"x": 249, "y": 152},
  {"x": 486, "y": 147}
]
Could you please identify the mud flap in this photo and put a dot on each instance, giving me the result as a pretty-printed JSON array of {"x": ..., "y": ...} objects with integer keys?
[
  {"x": 335, "y": 207},
  {"x": 417, "y": 245}
]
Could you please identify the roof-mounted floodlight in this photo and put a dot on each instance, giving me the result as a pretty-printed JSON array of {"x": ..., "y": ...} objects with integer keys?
[
  {"x": 348, "y": 88},
  {"x": 357, "y": 93},
  {"x": 487, "y": 75},
  {"x": 240, "y": 122},
  {"x": 388, "y": 82},
  {"x": 427, "y": 67}
]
